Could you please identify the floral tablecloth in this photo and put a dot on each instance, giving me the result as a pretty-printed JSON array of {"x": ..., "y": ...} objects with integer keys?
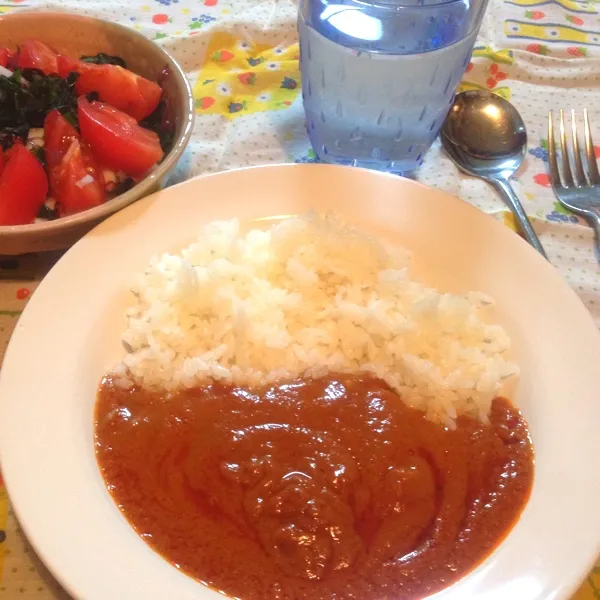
[{"x": 242, "y": 59}]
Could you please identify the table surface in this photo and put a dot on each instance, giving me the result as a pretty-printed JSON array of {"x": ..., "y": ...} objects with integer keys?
[{"x": 242, "y": 60}]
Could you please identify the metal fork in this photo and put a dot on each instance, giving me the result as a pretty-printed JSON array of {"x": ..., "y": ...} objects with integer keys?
[{"x": 580, "y": 191}]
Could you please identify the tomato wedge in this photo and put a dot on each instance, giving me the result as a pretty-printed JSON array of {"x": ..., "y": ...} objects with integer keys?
[
  {"x": 58, "y": 135},
  {"x": 119, "y": 87},
  {"x": 79, "y": 182},
  {"x": 23, "y": 187},
  {"x": 34, "y": 54},
  {"x": 76, "y": 179},
  {"x": 7, "y": 58},
  {"x": 117, "y": 140}
]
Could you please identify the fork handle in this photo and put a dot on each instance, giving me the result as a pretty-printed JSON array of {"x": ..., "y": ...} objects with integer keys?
[
  {"x": 506, "y": 191},
  {"x": 594, "y": 219}
]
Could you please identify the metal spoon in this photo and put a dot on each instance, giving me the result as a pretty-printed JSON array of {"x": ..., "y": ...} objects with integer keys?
[{"x": 485, "y": 136}]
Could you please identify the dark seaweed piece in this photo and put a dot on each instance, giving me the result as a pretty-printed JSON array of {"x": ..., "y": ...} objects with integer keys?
[
  {"x": 47, "y": 213},
  {"x": 123, "y": 186},
  {"x": 104, "y": 59},
  {"x": 40, "y": 153},
  {"x": 26, "y": 98},
  {"x": 71, "y": 116},
  {"x": 11, "y": 134},
  {"x": 160, "y": 123}
]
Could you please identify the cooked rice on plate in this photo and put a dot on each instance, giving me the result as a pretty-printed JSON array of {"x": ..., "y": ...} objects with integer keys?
[{"x": 307, "y": 296}]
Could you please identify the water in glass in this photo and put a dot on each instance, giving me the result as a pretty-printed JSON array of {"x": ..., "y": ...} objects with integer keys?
[{"x": 378, "y": 79}]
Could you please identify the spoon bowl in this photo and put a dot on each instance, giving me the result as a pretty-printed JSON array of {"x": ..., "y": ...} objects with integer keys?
[
  {"x": 485, "y": 136},
  {"x": 488, "y": 129}
]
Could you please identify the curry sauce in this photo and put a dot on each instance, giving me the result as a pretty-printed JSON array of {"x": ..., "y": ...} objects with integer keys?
[{"x": 322, "y": 488}]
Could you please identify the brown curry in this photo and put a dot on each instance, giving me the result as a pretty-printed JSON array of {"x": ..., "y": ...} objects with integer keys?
[{"x": 326, "y": 488}]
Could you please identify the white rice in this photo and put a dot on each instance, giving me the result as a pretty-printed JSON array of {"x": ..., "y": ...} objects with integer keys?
[{"x": 306, "y": 297}]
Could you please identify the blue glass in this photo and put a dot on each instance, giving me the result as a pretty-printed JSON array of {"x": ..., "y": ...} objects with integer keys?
[{"x": 378, "y": 78}]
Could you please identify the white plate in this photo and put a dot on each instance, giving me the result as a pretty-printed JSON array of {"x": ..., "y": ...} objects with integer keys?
[{"x": 69, "y": 335}]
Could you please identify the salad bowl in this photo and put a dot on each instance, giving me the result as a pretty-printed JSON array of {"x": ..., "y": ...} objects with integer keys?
[{"x": 75, "y": 36}]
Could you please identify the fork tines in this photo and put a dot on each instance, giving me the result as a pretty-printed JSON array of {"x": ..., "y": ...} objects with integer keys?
[{"x": 581, "y": 177}]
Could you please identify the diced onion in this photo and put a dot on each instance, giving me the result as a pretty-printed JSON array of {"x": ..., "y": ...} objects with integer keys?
[
  {"x": 35, "y": 133},
  {"x": 85, "y": 180}
]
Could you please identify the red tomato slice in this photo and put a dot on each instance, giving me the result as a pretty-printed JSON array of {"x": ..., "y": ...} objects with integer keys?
[
  {"x": 67, "y": 65},
  {"x": 34, "y": 54},
  {"x": 117, "y": 140},
  {"x": 79, "y": 182},
  {"x": 7, "y": 58},
  {"x": 23, "y": 187},
  {"x": 58, "y": 135},
  {"x": 1, "y": 161},
  {"x": 131, "y": 93},
  {"x": 76, "y": 180}
]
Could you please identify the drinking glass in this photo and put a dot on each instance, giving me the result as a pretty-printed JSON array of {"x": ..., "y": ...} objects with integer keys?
[{"x": 378, "y": 77}]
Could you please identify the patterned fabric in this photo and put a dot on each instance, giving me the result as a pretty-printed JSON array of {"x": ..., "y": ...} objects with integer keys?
[
  {"x": 242, "y": 59},
  {"x": 240, "y": 77}
]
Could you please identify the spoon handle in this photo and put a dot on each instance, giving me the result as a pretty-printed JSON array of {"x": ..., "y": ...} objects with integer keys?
[{"x": 505, "y": 189}]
